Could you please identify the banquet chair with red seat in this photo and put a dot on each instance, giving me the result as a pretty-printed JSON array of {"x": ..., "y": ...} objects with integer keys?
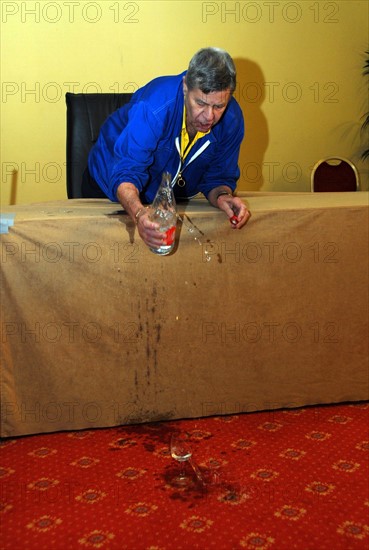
[{"x": 334, "y": 174}]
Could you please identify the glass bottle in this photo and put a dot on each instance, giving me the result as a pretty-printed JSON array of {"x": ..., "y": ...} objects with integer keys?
[{"x": 163, "y": 211}]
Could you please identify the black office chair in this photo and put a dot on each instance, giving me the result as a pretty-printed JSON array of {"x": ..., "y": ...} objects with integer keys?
[
  {"x": 334, "y": 174},
  {"x": 85, "y": 116}
]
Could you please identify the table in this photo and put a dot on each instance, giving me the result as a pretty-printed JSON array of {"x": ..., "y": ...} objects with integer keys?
[{"x": 98, "y": 331}]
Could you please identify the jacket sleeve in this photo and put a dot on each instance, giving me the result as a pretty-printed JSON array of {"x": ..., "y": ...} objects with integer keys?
[{"x": 134, "y": 149}]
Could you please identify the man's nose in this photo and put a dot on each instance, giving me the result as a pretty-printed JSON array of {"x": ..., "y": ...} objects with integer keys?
[{"x": 209, "y": 113}]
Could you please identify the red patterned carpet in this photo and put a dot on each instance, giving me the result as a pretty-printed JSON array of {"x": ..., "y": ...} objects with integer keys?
[{"x": 294, "y": 479}]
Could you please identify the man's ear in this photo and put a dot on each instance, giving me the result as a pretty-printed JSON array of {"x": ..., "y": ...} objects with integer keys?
[{"x": 185, "y": 89}]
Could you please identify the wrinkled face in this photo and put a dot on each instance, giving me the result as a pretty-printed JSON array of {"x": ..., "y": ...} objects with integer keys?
[{"x": 203, "y": 111}]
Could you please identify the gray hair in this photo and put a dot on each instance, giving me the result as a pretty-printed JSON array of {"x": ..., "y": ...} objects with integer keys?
[{"x": 211, "y": 70}]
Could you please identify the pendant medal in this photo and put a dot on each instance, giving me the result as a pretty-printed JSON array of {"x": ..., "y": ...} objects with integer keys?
[{"x": 180, "y": 181}]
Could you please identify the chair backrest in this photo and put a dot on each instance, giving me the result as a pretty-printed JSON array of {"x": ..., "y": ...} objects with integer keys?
[
  {"x": 334, "y": 174},
  {"x": 85, "y": 116}
]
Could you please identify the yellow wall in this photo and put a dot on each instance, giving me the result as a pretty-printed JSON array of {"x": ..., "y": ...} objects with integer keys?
[{"x": 300, "y": 78}]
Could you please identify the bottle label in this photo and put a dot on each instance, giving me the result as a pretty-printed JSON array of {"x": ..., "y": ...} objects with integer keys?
[{"x": 169, "y": 235}]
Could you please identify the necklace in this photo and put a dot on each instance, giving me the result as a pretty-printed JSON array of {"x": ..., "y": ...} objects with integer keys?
[{"x": 181, "y": 182}]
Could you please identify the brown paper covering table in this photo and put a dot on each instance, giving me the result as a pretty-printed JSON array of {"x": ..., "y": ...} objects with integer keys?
[{"x": 98, "y": 331}]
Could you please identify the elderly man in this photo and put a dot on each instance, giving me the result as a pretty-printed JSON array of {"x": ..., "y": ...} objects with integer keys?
[{"x": 188, "y": 125}]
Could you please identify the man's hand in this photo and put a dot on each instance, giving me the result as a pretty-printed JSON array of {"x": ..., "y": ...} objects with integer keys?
[
  {"x": 148, "y": 230},
  {"x": 234, "y": 208},
  {"x": 221, "y": 197},
  {"x": 128, "y": 197}
]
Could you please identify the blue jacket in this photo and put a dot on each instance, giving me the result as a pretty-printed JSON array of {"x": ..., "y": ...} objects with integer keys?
[{"x": 140, "y": 141}]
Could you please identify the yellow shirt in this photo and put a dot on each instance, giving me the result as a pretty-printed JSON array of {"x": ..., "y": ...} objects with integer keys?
[{"x": 185, "y": 138}]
